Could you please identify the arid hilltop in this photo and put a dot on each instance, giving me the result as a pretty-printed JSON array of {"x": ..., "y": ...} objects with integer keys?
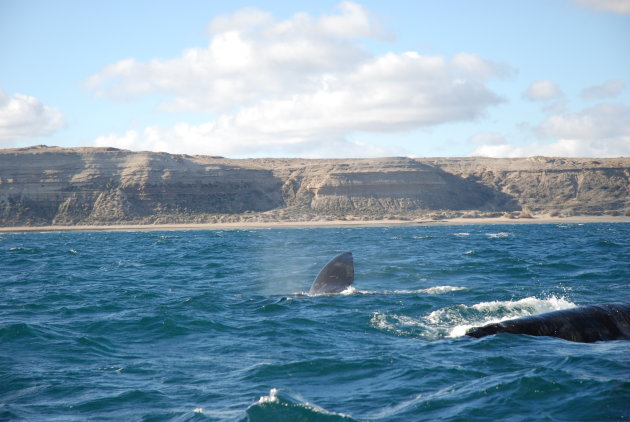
[{"x": 68, "y": 186}]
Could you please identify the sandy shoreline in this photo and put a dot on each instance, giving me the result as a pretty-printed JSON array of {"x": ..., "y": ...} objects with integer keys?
[{"x": 334, "y": 223}]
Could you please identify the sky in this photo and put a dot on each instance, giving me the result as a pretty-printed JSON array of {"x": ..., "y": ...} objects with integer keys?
[{"x": 318, "y": 79}]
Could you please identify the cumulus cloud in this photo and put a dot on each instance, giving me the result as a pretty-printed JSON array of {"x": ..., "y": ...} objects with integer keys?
[
  {"x": 621, "y": 7},
  {"x": 608, "y": 89},
  {"x": 542, "y": 91},
  {"x": 556, "y": 107},
  {"x": 560, "y": 148},
  {"x": 487, "y": 139},
  {"x": 603, "y": 121},
  {"x": 23, "y": 116},
  {"x": 600, "y": 131},
  {"x": 291, "y": 85},
  {"x": 213, "y": 139},
  {"x": 250, "y": 56}
]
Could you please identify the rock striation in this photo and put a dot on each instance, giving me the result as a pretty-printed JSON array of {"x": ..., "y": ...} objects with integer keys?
[
  {"x": 68, "y": 186},
  {"x": 569, "y": 186},
  {"x": 43, "y": 185}
]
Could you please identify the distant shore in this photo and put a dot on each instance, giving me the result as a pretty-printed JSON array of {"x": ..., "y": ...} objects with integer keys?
[{"x": 538, "y": 219}]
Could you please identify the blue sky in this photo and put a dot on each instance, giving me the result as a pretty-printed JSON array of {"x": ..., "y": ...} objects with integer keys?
[{"x": 318, "y": 78}]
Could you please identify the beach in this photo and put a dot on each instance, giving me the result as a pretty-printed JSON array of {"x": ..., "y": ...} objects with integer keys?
[{"x": 536, "y": 219}]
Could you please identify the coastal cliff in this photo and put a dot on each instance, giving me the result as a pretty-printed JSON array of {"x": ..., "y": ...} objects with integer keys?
[{"x": 69, "y": 186}]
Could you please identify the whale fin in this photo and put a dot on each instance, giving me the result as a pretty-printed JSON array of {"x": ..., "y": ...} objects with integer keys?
[{"x": 336, "y": 276}]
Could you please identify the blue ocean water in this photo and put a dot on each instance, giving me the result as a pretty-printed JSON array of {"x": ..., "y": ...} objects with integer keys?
[{"x": 215, "y": 325}]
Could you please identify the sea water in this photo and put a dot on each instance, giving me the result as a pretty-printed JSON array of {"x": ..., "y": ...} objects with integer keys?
[{"x": 216, "y": 325}]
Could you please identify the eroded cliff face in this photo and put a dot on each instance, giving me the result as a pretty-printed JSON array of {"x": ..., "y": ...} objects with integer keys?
[
  {"x": 567, "y": 186},
  {"x": 99, "y": 185},
  {"x": 382, "y": 185},
  {"x": 50, "y": 185}
]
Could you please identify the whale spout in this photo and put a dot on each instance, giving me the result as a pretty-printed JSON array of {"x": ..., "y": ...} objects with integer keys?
[
  {"x": 585, "y": 324},
  {"x": 336, "y": 276}
]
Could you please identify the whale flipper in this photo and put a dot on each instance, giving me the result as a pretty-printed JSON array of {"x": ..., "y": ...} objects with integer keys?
[
  {"x": 585, "y": 324},
  {"x": 336, "y": 276}
]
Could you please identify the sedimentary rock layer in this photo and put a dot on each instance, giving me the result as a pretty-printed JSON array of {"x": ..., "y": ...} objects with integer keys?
[{"x": 50, "y": 185}]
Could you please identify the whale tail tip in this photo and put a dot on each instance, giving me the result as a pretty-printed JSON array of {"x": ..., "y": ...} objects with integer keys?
[{"x": 336, "y": 276}]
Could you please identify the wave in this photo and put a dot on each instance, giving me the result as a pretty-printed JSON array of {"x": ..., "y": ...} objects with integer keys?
[
  {"x": 454, "y": 321},
  {"x": 484, "y": 313},
  {"x": 441, "y": 289},
  {"x": 282, "y": 405},
  {"x": 16, "y": 331},
  {"x": 500, "y": 235},
  {"x": 351, "y": 290}
]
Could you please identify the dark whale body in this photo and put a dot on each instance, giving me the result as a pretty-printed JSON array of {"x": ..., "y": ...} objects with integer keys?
[
  {"x": 585, "y": 324},
  {"x": 336, "y": 276}
]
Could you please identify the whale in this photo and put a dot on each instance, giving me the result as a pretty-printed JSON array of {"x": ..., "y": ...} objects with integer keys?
[
  {"x": 335, "y": 277},
  {"x": 583, "y": 324}
]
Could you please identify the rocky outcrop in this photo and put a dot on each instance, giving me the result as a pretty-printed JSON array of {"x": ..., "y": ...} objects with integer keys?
[
  {"x": 50, "y": 185},
  {"x": 567, "y": 186},
  {"x": 382, "y": 185},
  {"x": 44, "y": 185}
]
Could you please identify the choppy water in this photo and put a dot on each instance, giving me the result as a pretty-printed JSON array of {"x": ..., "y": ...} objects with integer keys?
[{"x": 214, "y": 325}]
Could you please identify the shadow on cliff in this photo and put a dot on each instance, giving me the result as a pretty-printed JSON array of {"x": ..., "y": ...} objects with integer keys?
[
  {"x": 396, "y": 184},
  {"x": 106, "y": 185},
  {"x": 466, "y": 194}
]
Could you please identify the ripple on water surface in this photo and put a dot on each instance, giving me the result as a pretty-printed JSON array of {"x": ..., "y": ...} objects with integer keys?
[{"x": 215, "y": 325}]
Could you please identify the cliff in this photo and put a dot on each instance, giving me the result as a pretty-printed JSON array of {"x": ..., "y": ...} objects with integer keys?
[{"x": 64, "y": 186}]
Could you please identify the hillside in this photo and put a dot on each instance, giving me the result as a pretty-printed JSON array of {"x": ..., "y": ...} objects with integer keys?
[{"x": 66, "y": 186}]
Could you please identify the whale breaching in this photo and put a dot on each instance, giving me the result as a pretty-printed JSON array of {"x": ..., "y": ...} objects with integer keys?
[
  {"x": 584, "y": 324},
  {"x": 336, "y": 276}
]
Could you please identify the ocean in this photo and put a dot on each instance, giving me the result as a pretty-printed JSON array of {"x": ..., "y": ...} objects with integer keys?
[{"x": 216, "y": 325}]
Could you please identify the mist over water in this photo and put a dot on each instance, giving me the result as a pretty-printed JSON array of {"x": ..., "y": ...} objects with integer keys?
[{"x": 217, "y": 325}]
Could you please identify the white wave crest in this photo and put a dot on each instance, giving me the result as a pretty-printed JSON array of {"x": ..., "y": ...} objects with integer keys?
[
  {"x": 463, "y": 318},
  {"x": 430, "y": 291},
  {"x": 271, "y": 398},
  {"x": 500, "y": 235},
  {"x": 442, "y": 289},
  {"x": 527, "y": 306},
  {"x": 435, "y": 290},
  {"x": 349, "y": 291},
  {"x": 396, "y": 324},
  {"x": 288, "y": 399},
  {"x": 454, "y": 321}
]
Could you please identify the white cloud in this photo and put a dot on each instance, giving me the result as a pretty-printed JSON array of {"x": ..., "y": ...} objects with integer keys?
[
  {"x": 249, "y": 57},
  {"x": 542, "y": 91},
  {"x": 292, "y": 85},
  {"x": 212, "y": 139},
  {"x": 556, "y": 107},
  {"x": 600, "y": 131},
  {"x": 390, "y": 93},
  {"x": 608, "y": 89},
  {"x": 621, "y": 7},
  {"x": 243, "y": 19},
  {"x": 560, "y": 148},
  {"x": 487, "y": 138},
  {"x": 603, "y": 121},
  {"x": 23, "y": 116}
]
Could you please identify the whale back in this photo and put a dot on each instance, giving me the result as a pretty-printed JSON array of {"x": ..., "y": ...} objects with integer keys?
[
  {"x": 585, "y": 324},
  {"x": 336, "y": 276}
]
